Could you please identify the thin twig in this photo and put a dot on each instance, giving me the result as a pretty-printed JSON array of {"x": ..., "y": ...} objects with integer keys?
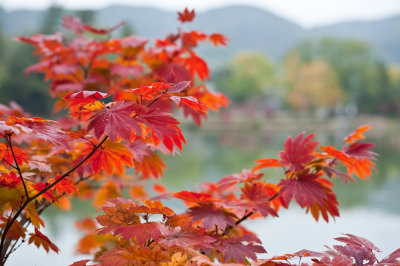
[
  {"x": 19, "y": 211},
  {"x": 247, "y": 215},
  {"x": 17, "y": 166},
  {"x": 70, "y": 171}
]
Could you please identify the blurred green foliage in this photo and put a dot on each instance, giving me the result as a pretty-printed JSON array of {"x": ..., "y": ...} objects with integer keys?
[
  {"x": 361, "y": 75},
  {"x": 248, "y": 75}
]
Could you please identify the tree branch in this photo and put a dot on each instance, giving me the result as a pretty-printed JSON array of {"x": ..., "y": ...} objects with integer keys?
[
  {"x": 19, "y": 211},
  {"x": 70, "y": 171},
  {"x": 247, "y": 215},
  {"x": 17, "y": 166}
]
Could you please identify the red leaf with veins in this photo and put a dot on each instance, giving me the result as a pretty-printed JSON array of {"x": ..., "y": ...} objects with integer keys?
[
  {"x": 109, "y": 157},
  {"x": 179, "y": 87},
  {"x": 185, "y": 238},
  {"x": 164, "y": 127},
  {"x": 152, "y": 91},
  {"x": 257, "y": 199},
  {"x": 191, "y": 102},
  {"x": 305, "y": 189},
  {"x": 49, "y": 194},
  {"x": 65, "y": 185},
  {"x": 357, "y": 241},
  {"x": 244, "y": 176},
  {"x": 9, "y": 180},
  {"x": 298, "y": 152},
  {"x": 235, "y": 248},
  {"x": 198, "y": 66},
  {"x": 40, "y": 239},
  {"x": 48, "y": 132},
  {"x": 115, "y": 121},
  {"x": 194, "y": 197},
  {"x": 361, "y": 150},
  {"x": 84, "y": 97},
  {"x": 7, "y": 155},
  {"x": 142, "y": 232},
  {"x": 212, "y": 216}
]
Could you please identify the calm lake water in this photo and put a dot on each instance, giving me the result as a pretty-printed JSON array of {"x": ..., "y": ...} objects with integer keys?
[{"x": 370, "y": 209}]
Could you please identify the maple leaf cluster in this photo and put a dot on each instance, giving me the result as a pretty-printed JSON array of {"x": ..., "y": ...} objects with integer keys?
[
  {"x": 122, "y": 96},
  {"x": 355, "y": 250},
  {"x": 211, "y": 228}
]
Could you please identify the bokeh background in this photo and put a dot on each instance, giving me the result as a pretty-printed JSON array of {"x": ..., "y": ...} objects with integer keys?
[{"x": 319, "y": 66}]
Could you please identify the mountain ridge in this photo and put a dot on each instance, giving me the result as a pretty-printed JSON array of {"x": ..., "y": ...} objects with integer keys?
[{"x": 248, "y": 27}]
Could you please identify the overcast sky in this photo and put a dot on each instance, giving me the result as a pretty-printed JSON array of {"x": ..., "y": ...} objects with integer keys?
[{"x": 307, "y": 13}]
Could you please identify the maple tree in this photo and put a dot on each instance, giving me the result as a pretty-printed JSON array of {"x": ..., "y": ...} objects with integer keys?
[{"x": 122, "y": 96}]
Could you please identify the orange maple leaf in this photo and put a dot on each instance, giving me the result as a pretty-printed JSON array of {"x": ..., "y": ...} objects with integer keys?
[{"x": 109, "y": 157}]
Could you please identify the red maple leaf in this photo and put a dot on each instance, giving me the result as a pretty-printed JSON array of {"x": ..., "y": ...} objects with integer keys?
[
  {"x": 298, "y": 152},
  {"x": 109, "y": 156},
  {"x": 191, "y": 102},
  {"x": 7, "y": 155},
  {"x": 198, "y": 66},
  {"x": 84, "y": 97},
  {"x": 115, "y": 120},
  {"x": 142, "y": 232},
  {"x": 64, "y": 186},
  {"x": 257, "y": 199},
  {"x": 218, "y": 39},
  {"x": 360, "y": 150},
  {"x": 392, "y": 258},
  {"x": 236, "y": 249},
  {"x": 9, "y": 180},
  {"x": 358, "y": 241},
  {"x": 191, "y": 39},
  {"x": 357, "y": 134},
  {"x": 193, "y": 197},
  {"x": 49, "y": 194},
  {"x": 305, "y": 189},
  {"x": 262, "y": 163},
  {"x": 152, "y": 91},
  {"x": 40, "y": 239},
  {"x": 243, "y": 177},
  {"x": 80, "y": 263},
  {"x": 164, "y": 127},
  {"x": 185, "y": 237},
  {"x": 212, "y": 216},
  {"x": 186, "y": 15},
  {"x": 179, "y": 87}
]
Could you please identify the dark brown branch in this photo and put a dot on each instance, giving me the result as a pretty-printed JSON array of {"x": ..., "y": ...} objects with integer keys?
[
  {"x": 19, "y": 211},
  {"x": 29, "y": 199},
  {"x": 17, "y": 167},
  {"x": 247, "y": 215},
  {"x": 70, "y": 171}
]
